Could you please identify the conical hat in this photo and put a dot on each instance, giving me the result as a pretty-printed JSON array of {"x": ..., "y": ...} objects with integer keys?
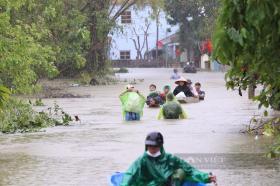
[{"x": 182, "y": 79}]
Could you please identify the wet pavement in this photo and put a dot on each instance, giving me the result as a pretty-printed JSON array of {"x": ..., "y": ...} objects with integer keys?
[{"x": 87, "y": 153}]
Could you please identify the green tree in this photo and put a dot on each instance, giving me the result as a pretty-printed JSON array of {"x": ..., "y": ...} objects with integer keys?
[
  {"x": 69, "y": 35},
  {"x": 196, "y": 19},
  {"x": 247, "y": 39},
  {"x": 62, "y": 26},
  {"x": 102, "y": 20},
  {"x": 102, "y": 16},
  {"x": 4, "y": 95},
  {"x": 21, "y": 55},
  {"x": 44, "y": 38}
]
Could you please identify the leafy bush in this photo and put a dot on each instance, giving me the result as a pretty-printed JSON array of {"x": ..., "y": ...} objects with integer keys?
[
  {"x": 268, "y": 127},
  {"x": 272, "y": 128},
  {"x": 247, "y": 39},
  {"x": 38, "y": 102},
  {"x": 18, "y": 116},
  {"x": 4, "y": 95},
  {"x": 85, "y": 78},
  {"x": 59, "y": 116},
  {"x": 275, "y": 149}
]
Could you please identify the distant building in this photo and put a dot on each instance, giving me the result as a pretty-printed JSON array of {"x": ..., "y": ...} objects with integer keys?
[
  {"x": 170, "y": 51},
  {"x": 138, "y": 34}
]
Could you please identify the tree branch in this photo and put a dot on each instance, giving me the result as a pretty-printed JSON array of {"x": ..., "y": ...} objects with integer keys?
[
  {"x": 134, "y": 43},
  {"x": 113, "y": 7},
  {"x": 120, "y": 9},
  {"x": 145, "y": 35},
  {"x": 84, "y": 7},
  {"x": 138, "y": 40},
  {"x": 125, "y": 5}
]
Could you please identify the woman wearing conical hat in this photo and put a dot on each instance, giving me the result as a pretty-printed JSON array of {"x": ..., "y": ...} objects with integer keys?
[{"x": 183, "y": 87}]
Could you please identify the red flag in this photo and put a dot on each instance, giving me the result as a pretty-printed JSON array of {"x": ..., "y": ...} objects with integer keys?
[
  {"x": 178, "y": 52},
  {"x": 209, "y": 46},
  {"x": 206, "y": 46}
]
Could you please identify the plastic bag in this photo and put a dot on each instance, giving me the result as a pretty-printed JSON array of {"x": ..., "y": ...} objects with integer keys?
[
  {"x": 183, "y": 99},
  {"x": 132, "y": 102},
  {"x": 181, "y": 96}
]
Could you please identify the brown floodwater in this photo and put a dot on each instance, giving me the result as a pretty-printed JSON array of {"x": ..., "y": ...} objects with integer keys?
[{"x": 87, "y": 153}]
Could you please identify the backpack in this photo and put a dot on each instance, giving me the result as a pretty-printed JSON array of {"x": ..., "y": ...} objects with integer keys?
[{"x": 172, "y": 110}]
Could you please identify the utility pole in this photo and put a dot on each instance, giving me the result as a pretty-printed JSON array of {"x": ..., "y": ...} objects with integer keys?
[
  {"x": 157, "y": 24},
  {"x": 166, "y": 50}
]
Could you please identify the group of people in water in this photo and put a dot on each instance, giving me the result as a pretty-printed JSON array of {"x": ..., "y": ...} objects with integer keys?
[
  {"x": 156, "y": 167},
  {"x": 169, "y": 101}
]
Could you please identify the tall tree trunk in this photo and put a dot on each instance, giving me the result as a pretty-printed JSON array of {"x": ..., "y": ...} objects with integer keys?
[
  {"x": 251, "y": 91},
  {"x": 101, "y": 21},
  {"x": 97, "y": 55},
  {"x": 146, "y": 35},
  {"x": 147, "y": 47}
]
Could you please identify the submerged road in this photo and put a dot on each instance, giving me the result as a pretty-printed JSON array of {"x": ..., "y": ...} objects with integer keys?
[{"x": 87, "y": 153}]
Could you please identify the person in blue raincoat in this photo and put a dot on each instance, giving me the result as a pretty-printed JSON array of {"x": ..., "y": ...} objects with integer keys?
[{"x": 158, "y": 168}]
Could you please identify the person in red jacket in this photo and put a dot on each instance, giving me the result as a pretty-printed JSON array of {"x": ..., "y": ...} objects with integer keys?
[{"x": 166, "y": 90}]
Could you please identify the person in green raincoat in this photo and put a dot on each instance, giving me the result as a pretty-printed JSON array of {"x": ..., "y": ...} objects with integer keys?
[
  {"x": 171, "y": 109},
  {"x": 132, "y": 103},
  {"x": 158, "y": 168}
]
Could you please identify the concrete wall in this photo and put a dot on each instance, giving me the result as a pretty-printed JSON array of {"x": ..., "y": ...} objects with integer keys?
[
  {"x": 208, "y": 64},
  {"x": 121, "y": 38},
  {"x": 204, "y": 59}
]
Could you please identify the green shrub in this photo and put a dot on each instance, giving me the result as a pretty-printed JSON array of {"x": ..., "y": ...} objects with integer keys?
[
  {"x": 4, "y": 95},
  {"x": 38, "y": 102},
  {"x": 59, "y": 116},
  {"x": 269, "y": 127},
  {"x": 19, "y": 116},
  {"x": 85, "y": 78},
  {"x": 275, "y": 149}
]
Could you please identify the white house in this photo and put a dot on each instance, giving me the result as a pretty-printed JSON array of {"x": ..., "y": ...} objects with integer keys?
[{"x": 138, "y": 33}]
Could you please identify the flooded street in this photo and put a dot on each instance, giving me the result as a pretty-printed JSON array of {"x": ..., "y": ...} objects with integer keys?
[{"x": 88, "y": 152}]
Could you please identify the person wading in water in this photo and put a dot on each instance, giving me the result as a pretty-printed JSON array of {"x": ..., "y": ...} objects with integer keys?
[{"x": 158, "y": 168}]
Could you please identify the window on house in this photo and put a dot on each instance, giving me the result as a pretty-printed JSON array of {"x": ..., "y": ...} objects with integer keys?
[
  {"x": 126, "y": 17},
  {"x": 125, "y": 55}
]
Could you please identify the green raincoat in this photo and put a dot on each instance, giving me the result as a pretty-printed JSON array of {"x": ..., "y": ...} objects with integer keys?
[
  {"x": 172, "y": 110},
  {"x": 132, "y": 102},
  {"x": 149, "y": 171}
]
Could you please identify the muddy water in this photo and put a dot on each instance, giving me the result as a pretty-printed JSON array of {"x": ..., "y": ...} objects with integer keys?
[{"x": 87, "y": 152}]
